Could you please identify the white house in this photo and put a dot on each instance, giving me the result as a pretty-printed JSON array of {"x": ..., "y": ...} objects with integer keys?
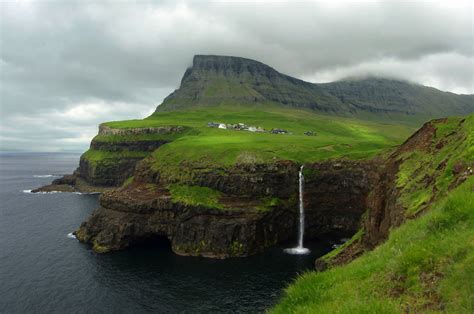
[
  {"x": 222, "y": 126},
  {"x": 252, "y": 129}
]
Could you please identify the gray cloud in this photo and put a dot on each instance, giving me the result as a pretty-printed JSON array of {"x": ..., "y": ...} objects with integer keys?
[{"x": 65, "y": 66}]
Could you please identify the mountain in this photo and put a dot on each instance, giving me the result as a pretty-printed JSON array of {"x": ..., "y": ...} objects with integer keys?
[{"x": 217, "y": 80}]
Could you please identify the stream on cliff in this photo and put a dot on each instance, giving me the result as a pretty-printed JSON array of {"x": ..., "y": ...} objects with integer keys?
[{"x": 41, "y": 269}]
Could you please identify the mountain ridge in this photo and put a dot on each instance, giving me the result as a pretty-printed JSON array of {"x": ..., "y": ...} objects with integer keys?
[{"x": 217, "y": 80}]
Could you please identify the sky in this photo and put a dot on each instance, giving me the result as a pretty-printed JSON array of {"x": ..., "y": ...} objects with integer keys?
[{"x": 67, "y": 66}]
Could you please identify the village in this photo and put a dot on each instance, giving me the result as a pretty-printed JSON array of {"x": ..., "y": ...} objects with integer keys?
[{"x": 257, "y": 129}]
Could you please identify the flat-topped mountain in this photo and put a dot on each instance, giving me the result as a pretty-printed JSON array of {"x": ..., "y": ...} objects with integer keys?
[{"x": 223, "y": 80}]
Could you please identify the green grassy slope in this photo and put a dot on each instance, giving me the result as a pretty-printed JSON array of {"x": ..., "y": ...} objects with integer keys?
[
  {"x": 335, "y": 136},
  {"x": 427, "y": 263},
  {"x": 454, "y": 147}
]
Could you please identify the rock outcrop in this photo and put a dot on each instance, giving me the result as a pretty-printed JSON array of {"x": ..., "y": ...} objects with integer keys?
[
  {"x": 140, "y": 212},
  {"x": 123, "y": 149},
  {"x": 337, "y": 193},
  {"x": 259, "y": 208},
  {"x": 107, "y": 130}
]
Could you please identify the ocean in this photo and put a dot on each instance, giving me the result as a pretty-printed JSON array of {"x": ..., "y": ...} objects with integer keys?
[{"x": 42, "y": 269}]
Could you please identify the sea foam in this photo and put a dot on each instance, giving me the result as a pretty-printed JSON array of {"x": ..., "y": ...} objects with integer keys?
[
  {"x": 30, "y": 192},
  {"x": 55, "y": 192},
  {"x": 44, "y": 176}
]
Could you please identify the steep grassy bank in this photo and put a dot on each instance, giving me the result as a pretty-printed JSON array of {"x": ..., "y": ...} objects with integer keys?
[{"x": 426, "y": 263}]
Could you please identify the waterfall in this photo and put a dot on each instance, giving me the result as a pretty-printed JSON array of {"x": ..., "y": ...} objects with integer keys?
[{"x": 300, "y": 249}]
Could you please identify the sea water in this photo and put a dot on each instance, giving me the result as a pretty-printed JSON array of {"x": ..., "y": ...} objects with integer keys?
[{"x": 43, "y": 268}]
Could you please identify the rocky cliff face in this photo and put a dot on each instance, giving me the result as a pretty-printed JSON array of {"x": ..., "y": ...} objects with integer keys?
[
  {"x": 278, "y": 179},
  {"x": 107, "y": 174},
  {"x": 259, "y": 209},
  {"x": 107, "y": 130},
  {"x": 138, "y": 213},
  {"x": 337, "y": 193},
  {"x": 120, "y": 149}
]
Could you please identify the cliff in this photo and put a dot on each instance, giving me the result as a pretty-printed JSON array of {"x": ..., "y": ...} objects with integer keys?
[
  {"x": 112, "y": 157},
  {"x": 255, "y": 207}
]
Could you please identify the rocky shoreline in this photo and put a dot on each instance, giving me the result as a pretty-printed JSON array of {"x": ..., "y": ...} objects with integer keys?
[
  {"x": 245, "y": 225},
  {"x": 72, "y": 183}
]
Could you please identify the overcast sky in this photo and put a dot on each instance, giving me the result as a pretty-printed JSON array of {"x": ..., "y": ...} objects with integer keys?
[{"x": 65, "y": 67}]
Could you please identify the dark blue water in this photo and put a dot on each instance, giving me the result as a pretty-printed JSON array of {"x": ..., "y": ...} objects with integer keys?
[{"x": 42, "y": 270}]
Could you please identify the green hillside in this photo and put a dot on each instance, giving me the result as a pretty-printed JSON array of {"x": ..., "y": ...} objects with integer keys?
[
  {"x": 199, "y": 144},
  {"x": 427, "y": 264}
]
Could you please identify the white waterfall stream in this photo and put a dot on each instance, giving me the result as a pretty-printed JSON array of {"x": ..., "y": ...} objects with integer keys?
[{"x": 300, "y": 249}]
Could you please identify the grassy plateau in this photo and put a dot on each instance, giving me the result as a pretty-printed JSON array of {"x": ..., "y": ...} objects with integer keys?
[{"x": 198, "y": 144}]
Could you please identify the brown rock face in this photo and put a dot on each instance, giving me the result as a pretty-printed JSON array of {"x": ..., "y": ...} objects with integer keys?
[
  {"x": 278, "y": 179},
  {"x": 137, "y": 213},
  {"x": 106, "y": 130},
  {"x": 100, "y": 176},
  {"x": 244, "y": 226},
  {"x": 337, "y": 194}
]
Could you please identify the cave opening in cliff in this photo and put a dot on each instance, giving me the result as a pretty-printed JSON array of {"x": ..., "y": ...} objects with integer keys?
[{"x": 155, "y": 241}]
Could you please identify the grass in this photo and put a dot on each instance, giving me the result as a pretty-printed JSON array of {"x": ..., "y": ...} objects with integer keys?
[
  {"x": 356, "y": 237},
  {"x": 99, "y": 156},
  {"x": 335, "y": 136},
  {"x": 195, "y": 195},
  {"x": 140, "y": 137},
  {"x": 427, "y": 264},
  {"x": 425, "y": 174},
  {"x": 268, "y": 204},
  {"x": 201, "y": 147}
]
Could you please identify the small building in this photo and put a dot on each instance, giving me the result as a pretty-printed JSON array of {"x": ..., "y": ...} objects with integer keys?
[
  {"x": 213, "y": 124},
  {"x": 278, "y": 131},
  {"x": 252, "y": 128},
  {"x": 309, "y": 133},
  {"x": 222, "y": 126}
]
